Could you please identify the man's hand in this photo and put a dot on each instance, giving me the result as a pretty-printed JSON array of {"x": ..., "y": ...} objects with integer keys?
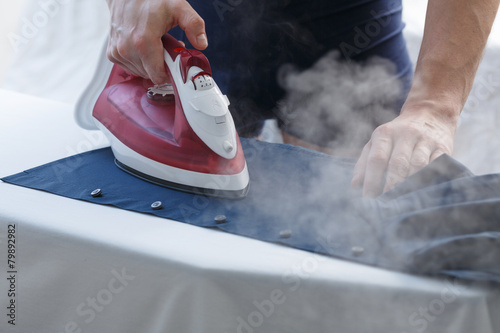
[
  {"x": 455, "y": 36},
  {"x": 136, "y": 30},
  {"x": 402, "y": 147}
]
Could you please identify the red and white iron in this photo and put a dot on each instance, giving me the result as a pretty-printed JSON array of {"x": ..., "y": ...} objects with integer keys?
[{"x": 179, "y": 135}]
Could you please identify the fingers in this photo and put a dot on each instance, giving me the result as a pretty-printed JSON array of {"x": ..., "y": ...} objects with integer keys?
[
  {"x": 115, "y": 57},
  {"x": 399, "y": 165},
  {"x": 400, "y": 148},
  {"x": 146, "y": 64},
  {"x": 360, "y": 167},
  {"x": 136, "y": 31},
  {"x": 397, "y": 159},
  {"x": 153, "y": 62},
  {"x": 420, "y": 158},
  {"x": 377, "y": 161},
  {"x": 193, "y": 25}
]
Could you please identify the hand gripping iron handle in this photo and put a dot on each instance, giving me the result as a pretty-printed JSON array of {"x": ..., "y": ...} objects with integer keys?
[{"x": 189, "y": 57}]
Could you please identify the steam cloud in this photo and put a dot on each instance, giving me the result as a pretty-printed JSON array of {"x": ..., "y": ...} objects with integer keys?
[{"x": 337, "y": 104}]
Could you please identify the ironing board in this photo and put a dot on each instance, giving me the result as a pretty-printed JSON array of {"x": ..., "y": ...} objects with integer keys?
[{"x": 81, "y": 267}]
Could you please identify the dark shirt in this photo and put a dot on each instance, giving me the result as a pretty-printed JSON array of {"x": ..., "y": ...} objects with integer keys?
[{"x": 249, "y": 41}]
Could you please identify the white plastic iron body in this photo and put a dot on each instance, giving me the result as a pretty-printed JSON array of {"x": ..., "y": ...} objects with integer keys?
[
  {"x": 205, "y": 107},
  {"x": 88, "y": 99}
]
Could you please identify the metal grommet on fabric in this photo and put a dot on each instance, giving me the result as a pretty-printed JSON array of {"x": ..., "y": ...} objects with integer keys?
[
  {"x": 219, "y": 219},
  {"x": 157, "y": 205},
  {"x": 357, "y": 250},
  {"x": 285, "y": 233},
  {"x": 96, "y": 193}
]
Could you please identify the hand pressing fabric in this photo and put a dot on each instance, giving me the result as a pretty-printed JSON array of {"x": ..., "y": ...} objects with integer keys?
[
  {"x": 456, "y": 32},
  {"x": 403, "y": 146},
  {"x": 136, "y": 30}
]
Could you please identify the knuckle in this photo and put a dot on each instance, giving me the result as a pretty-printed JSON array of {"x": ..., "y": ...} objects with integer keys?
[
  {"x": 196, "y": 22},
  {"x": 400, "y": 166},
  {"x": 382, "y": 131},
  {"x": 411, "y": 127},
  {"x": 419, "y": 161},
  {"x": 377, "y": 157},
  {"x": 187, "y": 17},
  {"x": 399, "y": 162},
  {"x": 122, "y": 49},
  {"x": 139, "y": 41}
]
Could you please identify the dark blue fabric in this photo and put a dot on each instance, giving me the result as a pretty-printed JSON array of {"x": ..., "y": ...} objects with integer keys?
[
  {"x": 250, "y": 40},
  {"x": 441, "y": 221}
]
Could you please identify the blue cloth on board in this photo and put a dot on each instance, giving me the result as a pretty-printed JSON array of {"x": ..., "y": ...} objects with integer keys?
[{"x": 441, "y": 220}]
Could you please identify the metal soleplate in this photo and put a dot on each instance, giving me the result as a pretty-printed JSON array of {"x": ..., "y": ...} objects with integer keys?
[{"x": 216, "y": 193}]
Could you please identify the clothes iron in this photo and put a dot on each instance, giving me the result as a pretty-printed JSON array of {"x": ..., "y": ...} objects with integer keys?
[{"x": 179, "y": 135}]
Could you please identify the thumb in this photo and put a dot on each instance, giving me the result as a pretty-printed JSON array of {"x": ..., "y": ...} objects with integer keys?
[{"x": 194, "y": 26}]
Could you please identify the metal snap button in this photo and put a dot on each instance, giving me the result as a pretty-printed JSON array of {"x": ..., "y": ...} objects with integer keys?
[
  {"x": 157, "y": 205},
  {"x": 219, "y": 219},
  {"x": 96, "y": 193},
  {"x": 357, "y": 250},
  {"x": 285, "y": 233}
]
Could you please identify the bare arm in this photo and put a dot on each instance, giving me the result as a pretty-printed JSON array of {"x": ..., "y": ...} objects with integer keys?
[{"x": 456, "y": 32}]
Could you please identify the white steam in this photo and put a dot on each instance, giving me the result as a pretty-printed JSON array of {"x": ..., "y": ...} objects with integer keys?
[{"x": 336, "y": 103}]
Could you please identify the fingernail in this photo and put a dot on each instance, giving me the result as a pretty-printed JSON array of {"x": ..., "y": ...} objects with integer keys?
[{"x": 202, "y": 40}]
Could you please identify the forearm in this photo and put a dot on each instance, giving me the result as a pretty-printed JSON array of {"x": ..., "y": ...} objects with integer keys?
[{"x": 455, "y": 36}]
